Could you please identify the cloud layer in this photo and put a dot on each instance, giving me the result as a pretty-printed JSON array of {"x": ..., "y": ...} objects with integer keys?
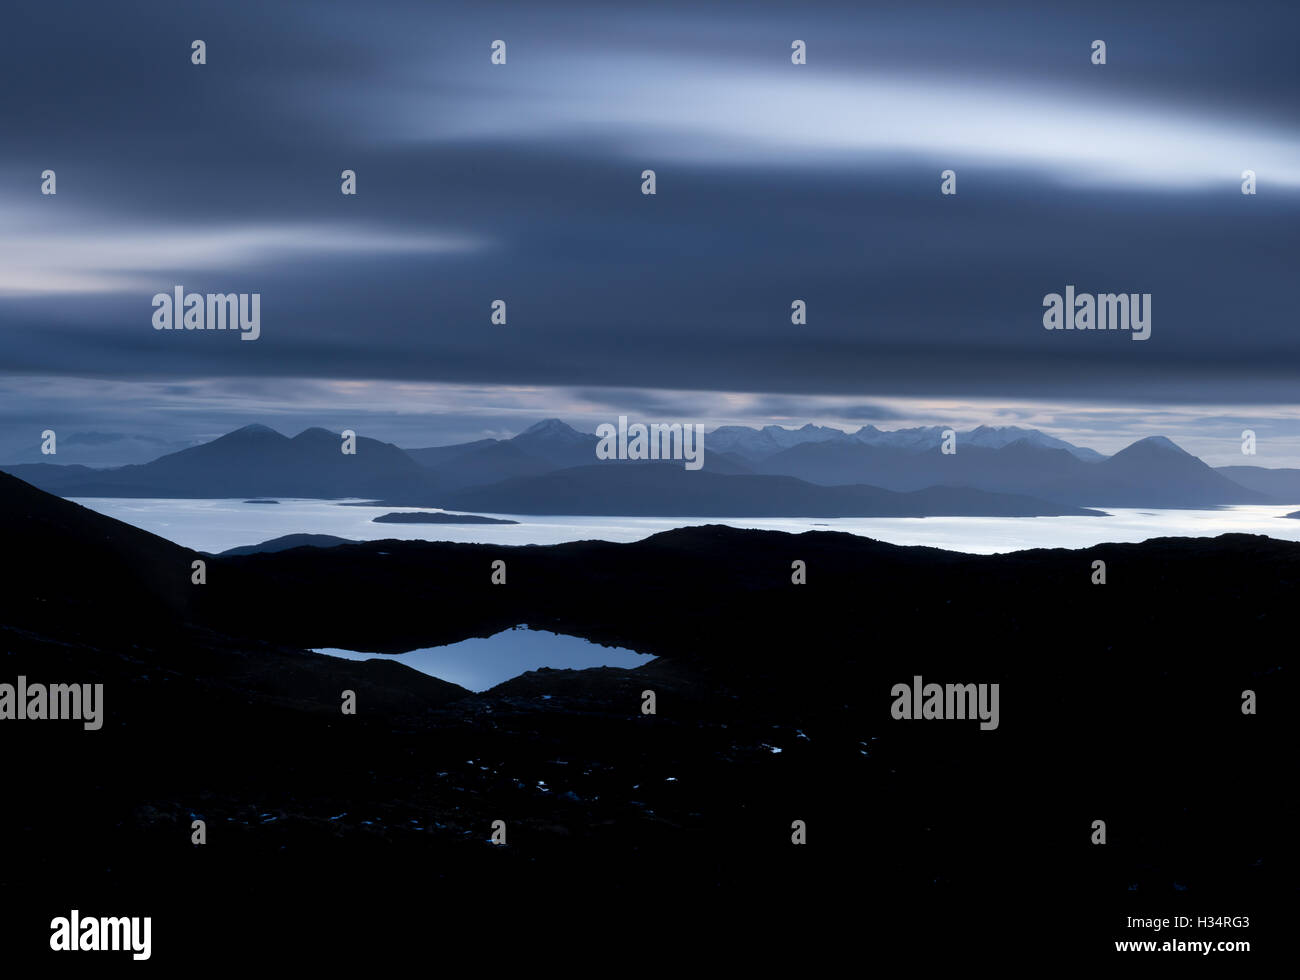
[{"x": 775, "y": 182}]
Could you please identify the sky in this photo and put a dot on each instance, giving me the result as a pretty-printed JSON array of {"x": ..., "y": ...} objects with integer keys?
[{"x": 522, "y": 182}]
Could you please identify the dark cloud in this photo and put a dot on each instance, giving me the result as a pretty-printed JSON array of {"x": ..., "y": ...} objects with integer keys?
[
  {"x": 870, "y": 413},
  {"x": 104, "y": 438},
  {"x": 521, "y": 183}
]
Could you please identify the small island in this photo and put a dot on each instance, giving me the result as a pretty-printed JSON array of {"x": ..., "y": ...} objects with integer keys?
[
  {"x": 1294, "y": 513},
  {"x": 261, "y": 501},
  {"x": 436, "y": 517}
]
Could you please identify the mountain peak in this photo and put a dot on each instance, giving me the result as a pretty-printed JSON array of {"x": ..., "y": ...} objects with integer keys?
[
  {"x": 1153, "y": 445},
  {"x": 316, "y": 433},
  {"x": 250, "y": 433},
  {"x": 551, "y": 429}
]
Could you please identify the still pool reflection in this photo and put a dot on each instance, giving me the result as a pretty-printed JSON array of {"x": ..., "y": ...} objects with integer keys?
[{"x": 480, "y": 663}]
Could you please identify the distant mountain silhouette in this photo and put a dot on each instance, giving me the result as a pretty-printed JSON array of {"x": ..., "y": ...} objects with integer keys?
[
  {"x": 487, "y": 464},
  {"x": 755, "y": 444},
  {"x": 552, "y": 468},
  {"x": 758, "y": 444},
  {"x": 559, "y": 444},
  {"x": 669, "y": 490},
  {"x": 1283, "y": 484},
  {"x": 254, "y": 461},
  {"x": 435, "y": 456},
  {"x": 997, "y": 436},
  {"x": 549, "y": 444},
  {"x": 1152, "y": 472}
]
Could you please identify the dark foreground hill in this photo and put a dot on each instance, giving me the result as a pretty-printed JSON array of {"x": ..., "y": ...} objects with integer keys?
[
  {"x": 286, "y": 541},
  {"x": 1118, "y": 702}
]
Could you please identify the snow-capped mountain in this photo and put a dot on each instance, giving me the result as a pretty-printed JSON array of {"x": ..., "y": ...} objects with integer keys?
[
  {"x": 755, "y": 444},
  {"x": 997, "y": 436}
]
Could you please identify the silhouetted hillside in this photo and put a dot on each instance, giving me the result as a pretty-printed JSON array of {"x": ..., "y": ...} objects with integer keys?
[
  {"x": 773, "y": 704},
  {"x": 287, "y": 541}
]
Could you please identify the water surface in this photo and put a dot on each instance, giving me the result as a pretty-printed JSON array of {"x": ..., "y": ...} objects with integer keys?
[
  {"x": 480, "y": 663},
  {"x": 215, "y": 525}
]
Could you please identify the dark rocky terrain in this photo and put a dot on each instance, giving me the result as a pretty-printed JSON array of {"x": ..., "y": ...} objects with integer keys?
[
  {"x": 286, "y": 541},
  {"x": 1118, "y": 702}
]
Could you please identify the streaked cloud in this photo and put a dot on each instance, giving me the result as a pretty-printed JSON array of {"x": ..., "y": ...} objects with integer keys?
[
  {"x": 62, "y": 256},
  {"x": 777, "y": 182},
  {"x": 706, "y": 109}
]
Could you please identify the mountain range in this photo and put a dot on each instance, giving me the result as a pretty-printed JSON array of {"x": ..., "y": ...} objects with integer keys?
[
  {"x": 812, "y": 471},
  {"x": 770, "y": 439}
]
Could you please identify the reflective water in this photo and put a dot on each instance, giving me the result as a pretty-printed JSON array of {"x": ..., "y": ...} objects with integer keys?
[{"x": 215, "y": 525}]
